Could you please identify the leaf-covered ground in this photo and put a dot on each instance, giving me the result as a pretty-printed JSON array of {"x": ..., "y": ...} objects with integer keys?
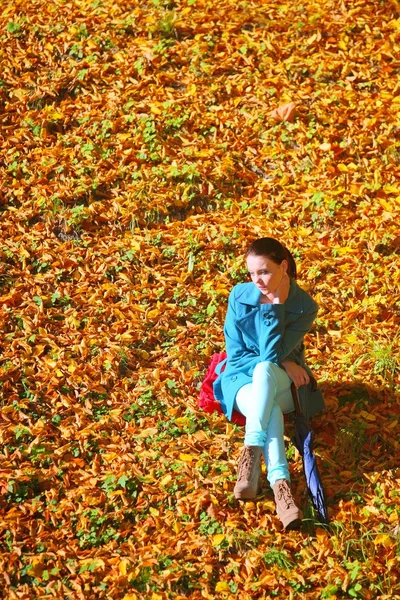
[{"x": 138, "y": 159}]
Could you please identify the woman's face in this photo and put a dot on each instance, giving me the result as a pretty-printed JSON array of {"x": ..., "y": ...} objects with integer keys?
[{"x": 265, "y": 273}]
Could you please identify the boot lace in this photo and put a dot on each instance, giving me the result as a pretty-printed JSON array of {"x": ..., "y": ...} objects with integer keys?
[
  {"x": 246, "y": 463},
  {"x": 284, "y": 494}
]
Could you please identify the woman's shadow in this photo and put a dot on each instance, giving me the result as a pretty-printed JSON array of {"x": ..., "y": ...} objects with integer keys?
[{"x": 355, "y": 441}]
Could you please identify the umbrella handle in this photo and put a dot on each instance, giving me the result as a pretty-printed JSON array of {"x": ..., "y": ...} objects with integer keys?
[
  {"x": 296, "y": 402},
  {"x": 295, "y": 396}
]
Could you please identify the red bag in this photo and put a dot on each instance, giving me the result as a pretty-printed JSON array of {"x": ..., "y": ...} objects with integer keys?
[{"x": 207, "y": 400}]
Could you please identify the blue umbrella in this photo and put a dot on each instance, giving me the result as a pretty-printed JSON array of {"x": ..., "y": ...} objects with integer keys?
[{"x": 303, "y": 440}]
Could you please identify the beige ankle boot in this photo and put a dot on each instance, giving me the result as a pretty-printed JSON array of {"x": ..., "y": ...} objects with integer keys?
[
  {"x": 249, "y": 471},
  {"x": 286, "y": 508}
]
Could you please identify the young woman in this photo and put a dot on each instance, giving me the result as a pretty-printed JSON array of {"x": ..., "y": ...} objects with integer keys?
[{"x": 264, "y": 330}]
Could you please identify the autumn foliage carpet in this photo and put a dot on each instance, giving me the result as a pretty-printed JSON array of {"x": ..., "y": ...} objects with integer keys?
[{"x": 139, "y": 157}]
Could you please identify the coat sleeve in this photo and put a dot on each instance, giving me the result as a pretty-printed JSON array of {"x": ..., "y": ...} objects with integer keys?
[
  {"x": 280, "y": 338},
  {"x": 237, "y": 352}
]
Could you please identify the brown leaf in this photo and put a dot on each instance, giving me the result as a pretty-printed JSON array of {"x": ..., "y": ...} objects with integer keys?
[{"x": 284, "y": 112}]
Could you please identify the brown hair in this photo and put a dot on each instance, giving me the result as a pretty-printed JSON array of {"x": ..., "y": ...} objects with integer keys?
[{"x": 274, "y": 250}]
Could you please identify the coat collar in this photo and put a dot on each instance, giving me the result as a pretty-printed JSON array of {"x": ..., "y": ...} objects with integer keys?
[{"x": 249, "y": 294}]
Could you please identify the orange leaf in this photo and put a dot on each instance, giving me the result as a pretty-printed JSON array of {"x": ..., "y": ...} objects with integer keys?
[{"x": 284, "y": 112}]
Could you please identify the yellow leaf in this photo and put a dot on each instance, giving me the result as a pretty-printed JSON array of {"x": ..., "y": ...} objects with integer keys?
[
  {"x": 304, "y": 231},
  {"x": 130, "y": 596},
  {"x": 222, "y": 586},
  {"x": 393, "y": 517},
  {"x": 222, "y": 290},
  {"x": 367, "y": 416},
  {"x": 19, "y": 93},
  {"x": 155, "y": 110},
  {"x": 342, "y": 168},
  {"x": 123, "y": 566},
  {"x": 74, "y": 323},
  {"x": 392, "y": 189},
  {"x": 116, "y": 493},
  {"x": 23, "y": 252},
  {"x": 284, "y": 180},
  {"x": 8, "y": 10},
  {"x": 150, "y": 431},
  {"x": 109, "y": 456},
  {"x": 204, "y": 153},
  {"x": 182, "y": 421},
  {"x": 192, "y": 89},
  {"x": 218, "y": 539},
  {"x": 346, "y": 250},
  {"x": 395, "y": 23},
  {"x": 268, "y": 579},
  {"x": 351, "y": 338},
  {"x": 355, "y": 188},
  {"x": 154, "y": 511},
  {"x": 119, "y": 56},
  {"x": 115, "y": 412},
  {"x": 36, "y": 567},
  {"x": 126, "y": 337},
  {"x": 323, "y": 538},
  {"x": 385, "y": 205},
  {"x": 385, "y": 540},
  {"x": 165, "y": 480},
  {"x": 177, "y": 527},
  {"x": 186, "y": 457},
  {"x": 156, "y": 596}
]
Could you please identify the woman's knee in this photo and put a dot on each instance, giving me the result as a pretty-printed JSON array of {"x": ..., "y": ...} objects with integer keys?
[{"x": 265, "y": 369}]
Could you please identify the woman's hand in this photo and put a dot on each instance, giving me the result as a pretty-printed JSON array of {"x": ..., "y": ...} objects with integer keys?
[
  {"x": 297, "y": 374},
  {"x": 282, "y": 291}
]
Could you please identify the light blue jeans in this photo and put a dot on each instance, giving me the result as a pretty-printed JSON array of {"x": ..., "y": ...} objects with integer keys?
[{"x": 263, "y": 403}]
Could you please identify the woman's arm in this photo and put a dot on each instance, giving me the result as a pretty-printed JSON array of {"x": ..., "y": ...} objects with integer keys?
[
  {"x": 297, "y": 374},
  {"x": 281, "y": 337}
]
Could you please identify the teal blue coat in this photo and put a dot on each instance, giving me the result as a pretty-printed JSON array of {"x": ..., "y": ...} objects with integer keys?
[{"x": 257, "y": 332}]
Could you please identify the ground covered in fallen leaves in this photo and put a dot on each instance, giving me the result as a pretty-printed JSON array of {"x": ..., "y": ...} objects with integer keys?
[{"x": 139, "y": 157}]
